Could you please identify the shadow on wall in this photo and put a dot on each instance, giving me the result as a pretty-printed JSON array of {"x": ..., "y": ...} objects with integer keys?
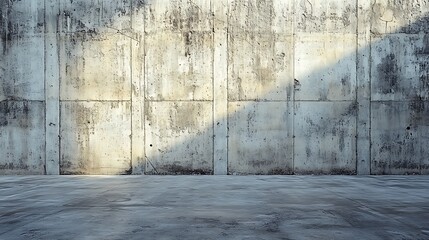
[
  {"x": 300, "y": 94},
  {"x": 303, "y": 115}
]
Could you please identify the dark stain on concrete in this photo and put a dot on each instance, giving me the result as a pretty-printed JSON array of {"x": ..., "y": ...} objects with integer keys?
[
  {"x": 308, "y": 151},
  {"x": 420, "y": 25},
  {"x": 424, "y": 77},
  {"x": 409, "y": 166},
  {"x": 139, "y": 4},
  {"x": 388, "y": 74},
  {"x": 4, "y": 112},
  {"x": 14, "y": 166},
  {"x": 5, "y": 28},
  {"x": 188, "y": 19},
  {"x": 176, "y": 169},
  {"x": 280, "y": 171},
  {"x": 333, "y": 171},
  {"x": 425, "y": 49},
  {"x": 351, "y": 110},
  {"x": 98, "y": 15},
  {"x": 419, "y": 112},
  {"x": 15, "y": 113}
]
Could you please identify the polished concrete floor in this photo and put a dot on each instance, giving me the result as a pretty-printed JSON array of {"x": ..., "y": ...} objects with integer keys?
[{"x": 214, "y": 207}]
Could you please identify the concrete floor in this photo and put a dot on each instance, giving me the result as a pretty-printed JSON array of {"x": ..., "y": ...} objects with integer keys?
[{"x": 214, "y": 207}]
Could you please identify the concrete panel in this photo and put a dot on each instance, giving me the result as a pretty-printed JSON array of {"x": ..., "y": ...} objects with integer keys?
[
  {"x": 325, "y": 137},
  {"x": 178, "y": 16},
  {"x": 325, "y": 67},
  {"x": 399, "y": 16},
  {"x": 95, "y": 138},
  {"x": 179, "y": 66},
  {"x": 260, "y": 141},
  {"x": 22, "y": 69},
  {"x": 22, "y": 137},
  {"x": 329, "y": 16},
  {"x": 94, "y": 16},
  {"x": 399, "y": 137},
  {"x": 400, "y": 67},
  {"x": 95, "y": 67},
  {"x": 179, "y": 138},
  {"x": 21, "y": 18},
  {"x": 260, "y": 50},
  {"x": 260, "y": 66}
]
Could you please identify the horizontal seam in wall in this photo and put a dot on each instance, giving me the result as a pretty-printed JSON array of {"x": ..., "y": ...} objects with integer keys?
[
  {"x": 95, "y": 100},
  {"x": 398, "y": 101},
  {"x": 178, "y": 100},
  {"x": 288, "y": 101},
  {"x": 22, "y": 100}
]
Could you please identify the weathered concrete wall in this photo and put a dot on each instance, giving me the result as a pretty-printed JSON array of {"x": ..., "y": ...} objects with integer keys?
[{"x": 214, "y": 87}]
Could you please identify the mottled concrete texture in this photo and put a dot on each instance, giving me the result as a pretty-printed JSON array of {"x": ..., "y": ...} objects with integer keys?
[
  {"x": 214, "y": 87},
  {"x": 214, "y": 207}
]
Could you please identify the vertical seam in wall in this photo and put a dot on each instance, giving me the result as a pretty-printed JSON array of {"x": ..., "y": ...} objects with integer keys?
[
  {"x": 227, "y": 86},
  {"x": 213, "y": 85},
  {"x": 44, "y": 81},
  {"x": 357, "y": 85},
  {"x": 292, "y": 83},
  {"x": 131, "y": 86},
  {"x": 58, "y": 37},
  {"x": 370, "y": 92},
  {"x": 143, "y": 89}
]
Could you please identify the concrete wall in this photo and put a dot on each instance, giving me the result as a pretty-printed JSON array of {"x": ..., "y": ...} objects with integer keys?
[{"x": 214, "y": 87}]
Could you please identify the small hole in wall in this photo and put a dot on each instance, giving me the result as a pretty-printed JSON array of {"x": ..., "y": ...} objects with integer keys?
[
  {"x": 150, "y": 145},
  {"x": 408, "y": 128}
]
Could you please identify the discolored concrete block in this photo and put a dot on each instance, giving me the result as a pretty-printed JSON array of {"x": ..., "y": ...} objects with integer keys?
[
  {"x": 260, "y": 66},
  {"x": 400, "y": 67},
  {"x": 94, "y": 16},
  {"x": 21, "y": 18},
  {"x": 179, "y": 66},
  {"x": 95, "y": 138},
  {"x": 260, "y": 138},
  {"x": 399, "y": 17},
  {"x": 261, "y": 16},
  {"x": 325, "y": 67},
  {"x": 179, "y": 138},
  {"x": 260, "y": 50},
  {"x": 317, "y": 16},
  {"x": 399, "y": 137},
  {"x": 178, "y": 16},
  {"x": 22, "y": 25},
  {"x": 95, "y": 67},
  {"x": 22, "y": 137},
  {"x": 22, "y": 69},
  {"x": 325, "y": 137}
]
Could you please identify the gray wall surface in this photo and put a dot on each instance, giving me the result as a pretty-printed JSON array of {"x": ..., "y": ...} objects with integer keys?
[{"x": 214, "y": 87}]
